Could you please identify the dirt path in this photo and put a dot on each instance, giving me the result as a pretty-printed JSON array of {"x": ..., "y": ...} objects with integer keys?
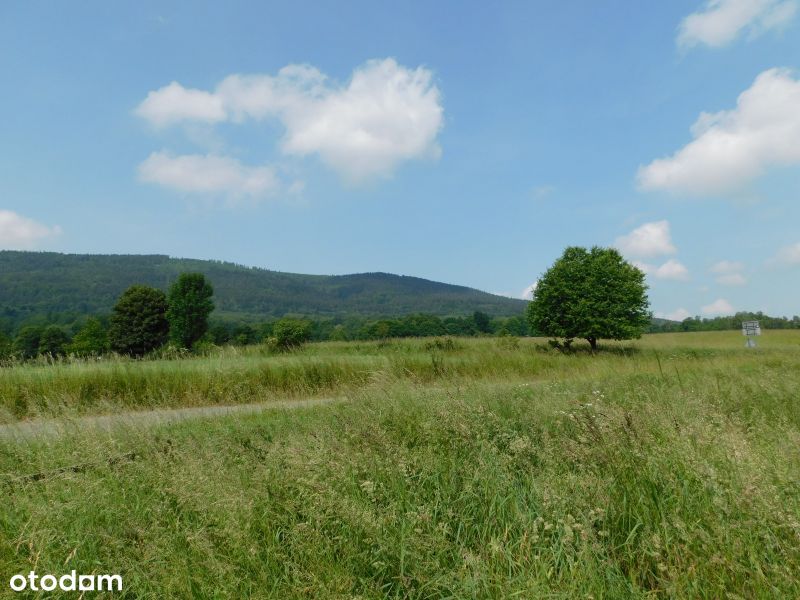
[{"x": 52, "y": 427}]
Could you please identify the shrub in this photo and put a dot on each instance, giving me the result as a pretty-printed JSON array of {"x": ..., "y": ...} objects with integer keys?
[{"x": 291, "y": 333}]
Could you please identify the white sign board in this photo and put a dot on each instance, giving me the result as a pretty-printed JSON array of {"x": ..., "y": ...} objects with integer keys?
[{"x": 751, "y": 328}]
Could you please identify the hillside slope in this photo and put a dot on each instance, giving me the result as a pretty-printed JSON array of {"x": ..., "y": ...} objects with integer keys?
[{"x": 41, "y": 283}]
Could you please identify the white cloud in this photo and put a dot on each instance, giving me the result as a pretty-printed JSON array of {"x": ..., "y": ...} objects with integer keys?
[
  {"x": 543, "y": 191},
  {"x": 732, "y": 279},
  {"x": 729, "y": 272},
  {"x": 676, "y": 315},
  {"x": 208, "y": 174},
  {"x": 733, "y": 147},
  {"x": 21, "y": 233},
  {"x": 725, "y": 267},
  {"x": 671, "y": 269},
  {"x": 650, "y": 239},
  {"x": 174, "y": 103},
  {"x": 718, "y": 307},
  {"x": 385, "y": 115},
  {"x": 527, "y": 293},
  {"x": 722, "y": 21},
  {"x": 788, "y": 255}
]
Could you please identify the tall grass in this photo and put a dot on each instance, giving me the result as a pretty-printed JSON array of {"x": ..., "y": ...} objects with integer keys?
[
  {"x": 624, "y": 475},
  {"x": 232, "y": 376}
]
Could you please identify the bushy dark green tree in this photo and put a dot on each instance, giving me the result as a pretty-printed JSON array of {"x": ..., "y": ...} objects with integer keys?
[
  {"x": 591, "y": 294},
  {"x": 483, "y": 322},
  {"x": 91, "y": 340},
  {"x": 189, "y": 306},
  {"x": 53, "y": 341},
  {"x": 244, "y": 335},
  {"x": 291, "y": 333},
  {"x": 26, "y": 344},
  {"x": 139, "y": 323}
]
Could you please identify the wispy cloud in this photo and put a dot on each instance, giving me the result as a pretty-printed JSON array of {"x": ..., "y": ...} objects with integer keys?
[
  {"x": 729, "y": 272},
  {"x": 720, "y": 22},
  {"x": 787, "y": 256},
  {"x": 208, "y": 174}
]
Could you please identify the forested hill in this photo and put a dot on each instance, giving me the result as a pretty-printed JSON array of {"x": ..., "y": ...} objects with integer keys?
[{"x": 42, "y": 283}]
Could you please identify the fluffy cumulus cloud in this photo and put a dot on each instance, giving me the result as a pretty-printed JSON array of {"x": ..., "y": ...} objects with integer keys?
[
  {"x": 718, "y": 307},
  {"x": 720, "y": 22},
  {"x": 672, "y": 269},
  {"x": 648, "y": 240},
  {"x": 208, "y": 174},
  {"x": 175, "y": 103},
  {"x": 527, "y": 293},
  {"x": 733, "y": 147},
  {"x": 676, "y": 315},
  {"x": 787, "y": 256},
  {"x": 385, "y": 115},
  {"x": 729, "y": 272},
  {"x": 21, "y": 233}
]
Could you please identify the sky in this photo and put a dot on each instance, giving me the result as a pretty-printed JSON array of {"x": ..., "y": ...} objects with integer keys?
[{"x": 461, "y": 142}]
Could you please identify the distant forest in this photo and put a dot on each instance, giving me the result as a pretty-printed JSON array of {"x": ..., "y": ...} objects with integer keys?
[{"x": 62, "y": 288}]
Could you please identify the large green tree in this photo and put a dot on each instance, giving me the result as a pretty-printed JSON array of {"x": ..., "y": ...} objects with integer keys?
[
  {"x": 53, "y": 341},
  {"x": 138, "y": 323},
  {"x": 26, "y": 344},
  {"x": 591, "y": 294},
  {"x": 190, "y": 304}
]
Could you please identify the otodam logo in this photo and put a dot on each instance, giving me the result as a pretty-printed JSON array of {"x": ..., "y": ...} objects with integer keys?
[{"x": 69, "y": 582}]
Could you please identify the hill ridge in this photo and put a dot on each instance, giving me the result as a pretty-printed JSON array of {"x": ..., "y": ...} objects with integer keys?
[{"x": 42, "y": 283}]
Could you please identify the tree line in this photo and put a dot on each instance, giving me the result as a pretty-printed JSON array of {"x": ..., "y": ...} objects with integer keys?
[
  {"x": 587, "y": 294},
  {"x": 143, "y": 319},
  {"x": 723, "y": 323}
]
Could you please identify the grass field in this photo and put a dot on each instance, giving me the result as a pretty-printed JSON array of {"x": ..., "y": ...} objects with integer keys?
[{"x": 668, "y": 467}]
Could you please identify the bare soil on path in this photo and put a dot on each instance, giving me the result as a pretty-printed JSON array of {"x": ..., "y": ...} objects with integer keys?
[{"x": 54, "y": 427}]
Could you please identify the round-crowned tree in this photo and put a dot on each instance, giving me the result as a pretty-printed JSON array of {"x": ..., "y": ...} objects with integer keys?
[
  {"x": 53, "y": 341},
  {"x": 26, "y": 344},
  {"x": 591, "y": 294},
  {"x": 138, "y": 323},
  {"x": 91, "y": 340},
  {"x": 189, "y": 306}
]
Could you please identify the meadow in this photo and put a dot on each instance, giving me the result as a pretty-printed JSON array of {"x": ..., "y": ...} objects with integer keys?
[{"x": 667, "y": 467}]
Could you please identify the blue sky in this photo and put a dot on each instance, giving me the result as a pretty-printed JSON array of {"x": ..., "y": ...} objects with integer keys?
[{"x": 462, "y": 142}]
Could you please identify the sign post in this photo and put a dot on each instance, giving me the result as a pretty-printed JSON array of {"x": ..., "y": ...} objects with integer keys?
[{"x": 750, "y": 329}]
